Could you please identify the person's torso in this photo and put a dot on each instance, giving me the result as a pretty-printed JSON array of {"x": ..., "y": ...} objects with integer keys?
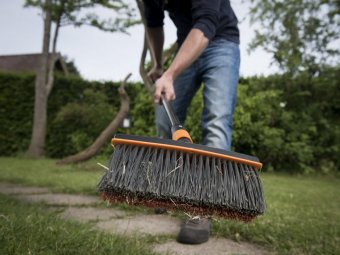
[{"x": 181, "y": 14}]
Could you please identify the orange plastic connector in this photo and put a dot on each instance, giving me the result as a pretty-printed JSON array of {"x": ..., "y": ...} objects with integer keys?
[
  {"x": 181, "y": 133},
  {"x": 257, "y": 165}
]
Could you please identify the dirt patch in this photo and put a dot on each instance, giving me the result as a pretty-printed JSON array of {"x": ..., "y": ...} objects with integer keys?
[
  {"x": 60, "y": 199},
  {"x": 86, "y": 214},
  {"x": 12, "y": 189},
  {"x": 142, "y": 224},
  {"x": 215, "y": 246}
]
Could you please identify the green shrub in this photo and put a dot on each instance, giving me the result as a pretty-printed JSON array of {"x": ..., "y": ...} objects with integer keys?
[
  {"x": 304, "y": 134},
  {"x": 142, "y": 113},
  {"x": 263, "y": 127},
  {"x": 291, "y": 124},
  {"x": 194, "y": 115},
  {"x": 78, "y": 110},
  {"x": 80, "y": 122},
  {"x": 16, "y": 115}
]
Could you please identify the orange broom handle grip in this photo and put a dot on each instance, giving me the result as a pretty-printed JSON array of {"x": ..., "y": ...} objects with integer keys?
[
  {"x": 181, "y": 135},
  {"x": 177, "y": 130}
]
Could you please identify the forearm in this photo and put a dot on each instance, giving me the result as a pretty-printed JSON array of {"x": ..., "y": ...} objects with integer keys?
[
  {"x": 156, "y": 39},
  {"x": 190, "y": 50}
]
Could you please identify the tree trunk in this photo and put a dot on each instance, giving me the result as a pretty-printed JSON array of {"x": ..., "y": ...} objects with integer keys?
[
  {"x": 107, "y": 133},
  {"x": 52, "y": 59},
  {"x": 36, "y": 148}
]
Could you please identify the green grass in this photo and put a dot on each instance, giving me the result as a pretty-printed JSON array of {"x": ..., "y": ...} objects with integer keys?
[
  {"x": 303, "y": 213},
  {"x": 29, "y": 229},
  {"x": 303, "y": 216},
  {"x": 79, "y": 178}
]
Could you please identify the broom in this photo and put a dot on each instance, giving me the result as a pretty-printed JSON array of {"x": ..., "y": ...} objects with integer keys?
[{"x": 178, "y": 174}]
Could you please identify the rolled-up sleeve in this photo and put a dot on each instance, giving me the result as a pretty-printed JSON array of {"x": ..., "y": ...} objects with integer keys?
[
  {"x": 154, "y": 13},
  {"x": 205, "y": 14}
]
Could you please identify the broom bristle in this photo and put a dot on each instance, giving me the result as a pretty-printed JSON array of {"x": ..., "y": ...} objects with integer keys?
[{"x": 197, "y": 184}]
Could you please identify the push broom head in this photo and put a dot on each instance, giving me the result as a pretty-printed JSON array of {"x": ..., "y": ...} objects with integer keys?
[{"x": 183, "y": 176}]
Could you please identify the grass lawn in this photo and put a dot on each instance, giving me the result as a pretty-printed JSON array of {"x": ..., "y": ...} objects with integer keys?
[
  {"x": 303, "y": 216},
  {"x": 303, "y": 212},
  {"x": 80, "y": 178},
  {"x": 29, "y": 229}
]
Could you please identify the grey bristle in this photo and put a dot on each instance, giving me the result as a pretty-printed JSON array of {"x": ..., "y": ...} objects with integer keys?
[{"x": 183, "y": 178}]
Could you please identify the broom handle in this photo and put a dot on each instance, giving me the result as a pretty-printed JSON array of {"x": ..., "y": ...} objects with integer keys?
[
  {"x": 178, "y": 131},
  {"x": 170, "y": 112}
]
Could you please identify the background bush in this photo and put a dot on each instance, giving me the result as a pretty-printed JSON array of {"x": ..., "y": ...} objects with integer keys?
[
  {"x": 291, "y": 124},
  {"x": 16, "y": 112},
  {"x": 78, "y": 111}
]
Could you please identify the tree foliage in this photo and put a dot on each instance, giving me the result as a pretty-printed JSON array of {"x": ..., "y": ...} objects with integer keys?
[
  {"x": 302, "y": 35},
  {"x": 83, "y": 12},
  {"x": 71, "y": 66},
  {"x": 62, "y": 13}
]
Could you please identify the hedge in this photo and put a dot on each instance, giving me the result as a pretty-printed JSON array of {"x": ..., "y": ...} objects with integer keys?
[
  {"x": 291, "y": 124},
  {"x": 78, "y": 111}
]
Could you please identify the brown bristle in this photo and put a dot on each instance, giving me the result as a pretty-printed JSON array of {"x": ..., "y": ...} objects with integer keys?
[{"x": 173, "y": 205}]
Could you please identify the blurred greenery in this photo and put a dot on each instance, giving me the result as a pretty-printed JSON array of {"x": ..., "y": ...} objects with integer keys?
[
  {"x": 291, "y": 123},
  {"x": 83, "y": 12},
  {"x": 301, "y": 35}
]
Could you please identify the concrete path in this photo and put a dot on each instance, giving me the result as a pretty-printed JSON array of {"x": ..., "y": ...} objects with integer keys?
[
  {"x": 86, "y": 214},
  {"x": 59, "y": 199},
  {"x": 8, "y": 188},
  {"x": 87, "y": 209},
  {"x": 212, "y": 247},
  {"x": 142, "y": 224}
]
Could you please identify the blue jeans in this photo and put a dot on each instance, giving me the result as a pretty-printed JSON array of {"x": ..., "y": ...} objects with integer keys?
[{"x": 218, "y": 69}]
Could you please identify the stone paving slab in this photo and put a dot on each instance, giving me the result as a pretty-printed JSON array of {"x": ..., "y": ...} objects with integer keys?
[
  {"x": 215, "y": 246},
  {"x": 142, "y": 224},
  {"x": 60, "y": 199},
  {"x": 111, "y": 220},
  {"x": 85, "y": 214},
  {"x": 13, "y": 189}
]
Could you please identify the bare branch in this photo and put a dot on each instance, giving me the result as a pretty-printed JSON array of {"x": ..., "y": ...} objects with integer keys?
[
  {"x": 107, "y": 133},
  {"x": 147, "y": 82},
  {"x": 146, "y": 47}
]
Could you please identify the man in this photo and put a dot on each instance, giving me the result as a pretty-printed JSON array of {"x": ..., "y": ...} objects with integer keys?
[{"x": 208, "y": 40}]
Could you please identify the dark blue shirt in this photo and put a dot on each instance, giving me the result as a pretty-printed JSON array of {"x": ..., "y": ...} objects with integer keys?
[{"x": 215, "y": 18}]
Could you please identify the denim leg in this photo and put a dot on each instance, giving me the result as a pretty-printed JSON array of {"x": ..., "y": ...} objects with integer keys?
[
  {"x": 219, "y": 66},
  {"x": 185, "y": 87}
]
